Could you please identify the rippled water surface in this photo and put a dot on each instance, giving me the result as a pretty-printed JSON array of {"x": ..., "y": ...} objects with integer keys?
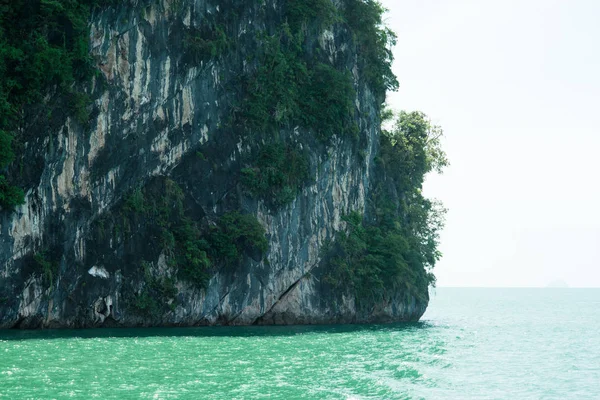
[{"x": 471, "y": 344}]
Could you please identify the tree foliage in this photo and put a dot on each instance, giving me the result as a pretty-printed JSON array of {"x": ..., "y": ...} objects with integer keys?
[
  {"x": 374, "y": 43},
  {"x": 192, "y": 250},
  {"x": 299, "y": 12},
  {"x": 412, "y": 149},
  {"x": 295, "y": 84},
  {"x": 277, "y": 174},
  {"x": 43, "y": 43},
  {"x": 235, "y": 235},
  {"x": 204, "y": 43},
  {"x": 10, "y": 195},
  {"x": 398, "y": 247},
  {"x": 288, "y": 90}
]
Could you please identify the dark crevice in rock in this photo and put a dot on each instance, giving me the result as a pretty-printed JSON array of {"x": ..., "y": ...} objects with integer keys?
[{"x": 281, "y": 297}]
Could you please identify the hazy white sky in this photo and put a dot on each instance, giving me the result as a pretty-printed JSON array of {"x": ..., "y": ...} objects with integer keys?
[{"x": 516, "y": 87}]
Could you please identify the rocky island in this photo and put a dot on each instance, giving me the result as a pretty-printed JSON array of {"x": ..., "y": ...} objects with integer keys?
[{"x": 208, "y": 162}]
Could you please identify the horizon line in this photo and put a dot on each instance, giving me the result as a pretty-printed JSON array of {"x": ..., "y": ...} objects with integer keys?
[{"x": 515, "y": 287}]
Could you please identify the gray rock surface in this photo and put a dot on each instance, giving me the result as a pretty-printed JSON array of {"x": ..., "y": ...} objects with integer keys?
[{"x": 153, "y": 111}]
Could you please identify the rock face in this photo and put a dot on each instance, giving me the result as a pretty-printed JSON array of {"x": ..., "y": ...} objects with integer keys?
[{"x": 153, "y": 112}]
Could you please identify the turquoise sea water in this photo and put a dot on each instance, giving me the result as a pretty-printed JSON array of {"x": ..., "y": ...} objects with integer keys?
[{"x": 471, "y": 344}]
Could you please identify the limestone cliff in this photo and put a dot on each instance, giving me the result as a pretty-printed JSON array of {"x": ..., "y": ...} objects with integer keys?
[{"x": 161, "y": 116}]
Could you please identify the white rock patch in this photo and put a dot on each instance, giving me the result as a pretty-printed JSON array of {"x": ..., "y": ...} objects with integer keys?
[{"x": 99, "y": 272}]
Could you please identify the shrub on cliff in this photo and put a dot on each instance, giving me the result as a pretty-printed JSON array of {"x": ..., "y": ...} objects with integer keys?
[
  {"x": 10, "y": 195},
  {"x": 277, "y": 174},
  {"x": 235, "y": 235}
]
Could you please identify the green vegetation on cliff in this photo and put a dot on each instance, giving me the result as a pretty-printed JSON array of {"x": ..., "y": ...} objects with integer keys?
[
  {"x": 43, "y": 45},
  {"x": 364, "y": 19},
  {"x": 44, "y": 48},
  {"x": 277, "y": 174},
  {"x": 296, "y": 84},
  {"x": 205, "y": 43},
  {"x": 157, "y": 296},
  {"x": 193, "y": 252},
  {"x": 10, "y": 195},
  {"x": 157, "y": 212},
  {"x": 45, "y": 267},
  {"x": 396, "y": 247},
  {"x": 286, "y": 90},
  {"x": 374, "y": 44},
  {"x": 299, "y": 12}
]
